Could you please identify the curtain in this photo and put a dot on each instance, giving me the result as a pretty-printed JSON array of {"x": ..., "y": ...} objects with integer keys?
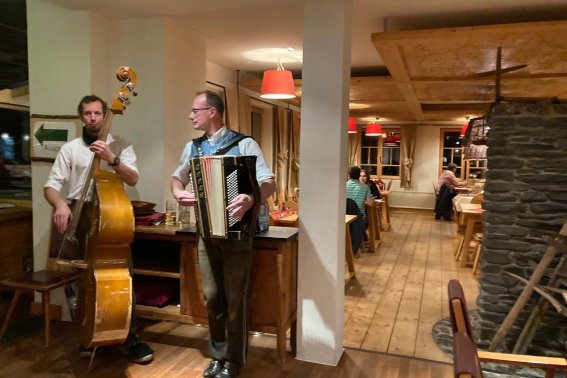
[
  {"x": 354, "y": 144},
  {"x": 407, "y": 150},
  {"x": 293, "y": 181},
  {"x": 282, "y": 148}
]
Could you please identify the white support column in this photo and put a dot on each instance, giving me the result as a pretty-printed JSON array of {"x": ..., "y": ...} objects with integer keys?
[{"x": 324, "y": 114}]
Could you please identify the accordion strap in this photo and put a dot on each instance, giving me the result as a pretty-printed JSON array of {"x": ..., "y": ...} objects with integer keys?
[{"x": 224, "y": 148}]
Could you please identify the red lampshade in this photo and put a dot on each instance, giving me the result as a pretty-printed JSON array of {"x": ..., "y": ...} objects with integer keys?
[
  {"x": 464, "y": 130},
  {"x": 277, "y": 84},
  {"x": 373, "y": 129},
  {"x": 352, "y": 125}
]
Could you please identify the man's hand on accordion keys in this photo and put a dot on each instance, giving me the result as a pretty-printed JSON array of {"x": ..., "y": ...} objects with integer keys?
[
  {"x": 240, "y": 205},
  {"x": 185, "y": 198}
]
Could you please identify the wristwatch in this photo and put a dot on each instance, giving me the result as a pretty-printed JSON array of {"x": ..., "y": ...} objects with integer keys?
[{"x": 115, "y": 162}]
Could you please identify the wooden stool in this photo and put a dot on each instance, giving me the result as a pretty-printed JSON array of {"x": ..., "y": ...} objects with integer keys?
[
  {"x": 43, "y": 281},
  {"x": 477, "y": 237}
]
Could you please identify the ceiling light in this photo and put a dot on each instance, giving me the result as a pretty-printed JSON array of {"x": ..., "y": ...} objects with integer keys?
[
  {"x": 374, "y": 128},
  {"x": 278, "y": 84},
  {"x": 275, "y": 55},
  {"x": 352, "y": 125}
]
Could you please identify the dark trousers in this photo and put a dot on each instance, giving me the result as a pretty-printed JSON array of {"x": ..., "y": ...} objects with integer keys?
[{"x": 225, "y": 271}]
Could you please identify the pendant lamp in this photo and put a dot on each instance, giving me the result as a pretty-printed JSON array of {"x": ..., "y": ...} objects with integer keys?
[
  {"x": 352, "y": 125},
  {"x": 463, "y": 131},
  {"x": 373, "y": 129},
  {"x": 278, "y": 84}
]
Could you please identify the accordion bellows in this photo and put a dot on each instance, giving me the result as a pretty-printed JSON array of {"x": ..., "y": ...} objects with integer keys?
[{"x": 216, "y": 181}]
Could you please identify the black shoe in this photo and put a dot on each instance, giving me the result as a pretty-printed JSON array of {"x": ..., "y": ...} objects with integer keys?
[
  {"x": 214, "y": 368},
  {"x": 138, "y": 352},
  {"x": 226, "y": 372},
  {"x": 85, "y": 352}
]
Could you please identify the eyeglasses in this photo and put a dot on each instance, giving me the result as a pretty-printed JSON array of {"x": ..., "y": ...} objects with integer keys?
[{"x": 197, "y": 110}]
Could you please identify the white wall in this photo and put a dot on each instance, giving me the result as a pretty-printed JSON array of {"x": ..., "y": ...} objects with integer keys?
[{"x": 74, "y": 53}]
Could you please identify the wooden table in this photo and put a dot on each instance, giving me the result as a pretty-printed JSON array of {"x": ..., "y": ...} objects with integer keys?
[
  {"x": 385, "y": 210},
  {"x": 349, "y": 256},
  {"x": 162, "y": 253},
  {"x": 472, "y": 214}
]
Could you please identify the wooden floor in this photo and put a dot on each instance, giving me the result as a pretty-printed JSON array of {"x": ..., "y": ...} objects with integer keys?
[
  {"x": 401, "y": 291},
  {"x": 390, "y": 308}
]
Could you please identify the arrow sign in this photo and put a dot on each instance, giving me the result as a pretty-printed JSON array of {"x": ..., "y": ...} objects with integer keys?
[{"x": 51, "y": 135}]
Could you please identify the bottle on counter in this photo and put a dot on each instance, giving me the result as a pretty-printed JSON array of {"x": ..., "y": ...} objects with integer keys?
[{"x": 263, "y": 217}]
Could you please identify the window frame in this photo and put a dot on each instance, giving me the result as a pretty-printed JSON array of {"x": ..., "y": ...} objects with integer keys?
[
  {"x": 461, "y": 167},
  {"x": 379, "y": 151}
]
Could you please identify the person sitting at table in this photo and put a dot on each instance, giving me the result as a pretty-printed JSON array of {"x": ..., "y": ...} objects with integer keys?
[
  {"x": 365, "y": 179},
  {"x": 358, "y": 192},
  {"x": 445, "y": 192}
]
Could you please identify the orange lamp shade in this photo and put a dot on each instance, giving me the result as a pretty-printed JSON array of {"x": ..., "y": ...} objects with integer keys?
[
  {"x": 464, "y": 130},
  {"x": 277, "y": 84},
  {"x": 352, "y": 125},
  {"x": 373, "y": 129}
]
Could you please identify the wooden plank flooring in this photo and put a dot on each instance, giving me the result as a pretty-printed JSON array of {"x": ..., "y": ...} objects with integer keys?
[
  {"x": 181, "y": 351},
  {"x": 400, "y": 292},
  {"x": 398, "y": 295}
]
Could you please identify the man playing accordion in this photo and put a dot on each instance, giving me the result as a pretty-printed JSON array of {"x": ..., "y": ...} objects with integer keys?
[{"x": 224, "y": 260}]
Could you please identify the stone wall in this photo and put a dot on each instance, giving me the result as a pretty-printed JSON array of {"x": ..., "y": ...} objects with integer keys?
[{"x": 525, "y": 198}]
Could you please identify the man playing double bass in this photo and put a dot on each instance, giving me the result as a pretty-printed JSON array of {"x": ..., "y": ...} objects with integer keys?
[{"x": 71, "y": 168}]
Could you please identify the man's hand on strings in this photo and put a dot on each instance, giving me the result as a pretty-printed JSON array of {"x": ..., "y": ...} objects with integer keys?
[
  {"x": 61, "y": 217},
  {"x": 101, "y": 149},
  {"x": 240, "y": 205}
]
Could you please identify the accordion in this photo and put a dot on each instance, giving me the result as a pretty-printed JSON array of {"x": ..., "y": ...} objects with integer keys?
[{"x": 216, "y": 181}]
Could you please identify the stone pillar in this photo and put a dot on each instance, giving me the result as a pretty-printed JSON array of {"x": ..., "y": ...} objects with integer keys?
[{"x": 525, "y": 198}]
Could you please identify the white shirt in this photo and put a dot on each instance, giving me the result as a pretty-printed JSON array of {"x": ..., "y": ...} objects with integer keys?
[{"x": 73, "y": 160}]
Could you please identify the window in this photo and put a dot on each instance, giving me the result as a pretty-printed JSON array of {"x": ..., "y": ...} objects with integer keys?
[
  {"x": 380, "y": 156},
  {"x": 15, "y": 169},
  {"x": 452, "y": 151}
]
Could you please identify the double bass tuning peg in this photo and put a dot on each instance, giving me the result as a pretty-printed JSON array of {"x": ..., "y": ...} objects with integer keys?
[
  {"x": 123, "y": 98},
  {"x": 130, "y": 87}
]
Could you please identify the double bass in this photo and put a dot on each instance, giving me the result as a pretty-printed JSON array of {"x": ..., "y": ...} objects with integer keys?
[{"x": 103, "y": 219}]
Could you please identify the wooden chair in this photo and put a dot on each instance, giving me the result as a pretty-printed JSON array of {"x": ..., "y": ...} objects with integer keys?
[
  {"x": 477, "y": 237},
  {"x": 43, "y": 281},
  {"x": 464, "y": 352},
  {"x": 465, "y": 357}
]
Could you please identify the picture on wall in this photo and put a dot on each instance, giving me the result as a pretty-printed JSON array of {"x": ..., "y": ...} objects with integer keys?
[
  {"x": 48, "y": 133},
  {"x": 221, "y": 91}
]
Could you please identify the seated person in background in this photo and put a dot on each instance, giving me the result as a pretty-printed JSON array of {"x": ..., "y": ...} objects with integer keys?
[
  {"x": 358, "y": 192},
  {"x": 445, "y": 192},
  {"x": 365, "y": 179}
]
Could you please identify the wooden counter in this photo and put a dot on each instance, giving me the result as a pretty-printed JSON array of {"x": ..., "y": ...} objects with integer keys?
[
  {"x": 16, "y": 241},
  {"x": 167, "y": 253}
]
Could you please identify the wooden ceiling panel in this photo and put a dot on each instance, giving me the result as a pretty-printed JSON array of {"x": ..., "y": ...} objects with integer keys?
[
  {"x": 448, "y": 74},
  {"x": 536, "y": 88},
  {"x": 376, "y": 88},
  {"x": 454, "y": 92},
  {"x": 381, "y": 108}
]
